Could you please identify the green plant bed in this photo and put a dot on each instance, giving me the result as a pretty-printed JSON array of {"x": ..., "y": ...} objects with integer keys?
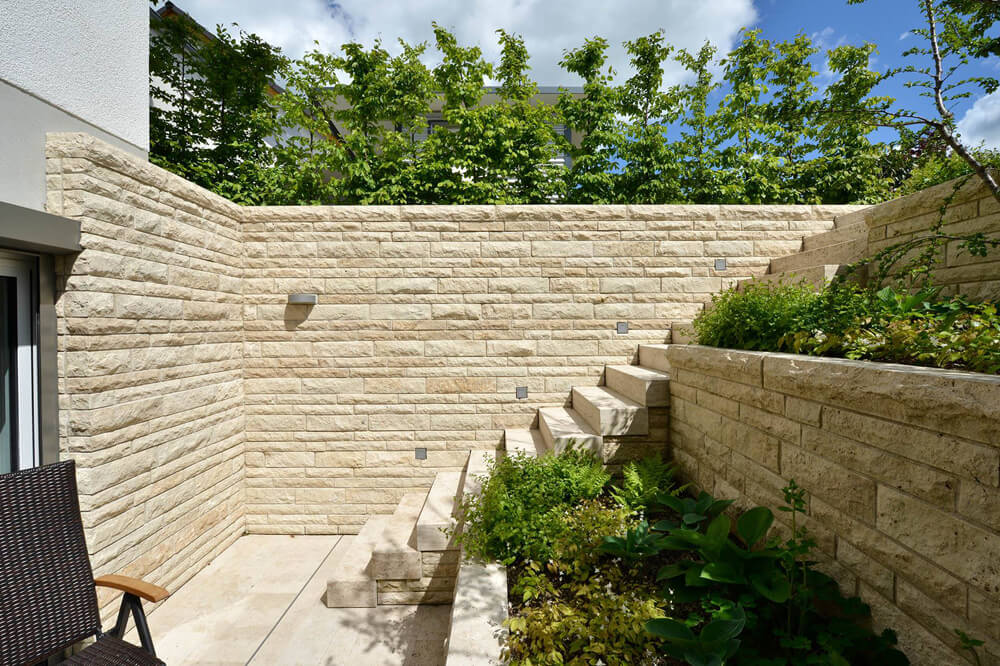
[
  {"x": 843, "y": 320},
  {"x": 643, "y": 573}
]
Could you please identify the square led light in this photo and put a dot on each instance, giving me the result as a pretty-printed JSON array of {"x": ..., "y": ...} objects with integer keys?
[
  {"x": 720, "y": 264},
  {"x": 420, "y": 454},
  {"x": 622, "y": 327},
  {"x": 521, "y": 392}
]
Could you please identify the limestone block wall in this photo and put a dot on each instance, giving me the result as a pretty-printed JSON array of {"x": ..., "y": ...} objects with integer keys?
[
  {"x": 901, "y": 465},
  {"x": 969, "y": 208},
  {"x": 429, "y": 317},
  {"x": 150, "y": 337}
]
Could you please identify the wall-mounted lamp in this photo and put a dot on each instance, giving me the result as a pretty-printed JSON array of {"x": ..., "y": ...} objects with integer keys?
[
  {"x": 622, "y": 327},
  {"x": 521, "y": 392},
  {"x": 720, "y": 264},
  {"x": 302, "y": 299}
]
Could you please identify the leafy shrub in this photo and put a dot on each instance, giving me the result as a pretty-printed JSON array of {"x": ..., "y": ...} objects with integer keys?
[
  {"x": 757, "y": 317},
  {"x": 520, "y": 510},
  {"x": 917, "y": 328},
  {"x": 643, "y": 481},
  {"x": 583, "y": 607}
]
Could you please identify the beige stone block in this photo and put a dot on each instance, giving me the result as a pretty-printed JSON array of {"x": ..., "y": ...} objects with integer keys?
[
  {"x": 562, "y": 248},
  {"x": 850, "y": 492},
  {"x": 729, "y": 248},
  {"x": 929, "y": 484},
  {"x": 343, "y": 349},
  {"x": 352, "y": 459},
  {"x": 693, "y": 285},
  {"x": 448, "y": 348},
  {"x": 970, "y": 552},
  {"x": 803, "y": 411},
  {"x": 391, "y": 421},
  {"x": 562, "y": 310},
  {"x": 411, "y": 285},
  {"x": 456, "y": 311},
  {"x": 461, "y": 384},
  {"x": 951, "y": 454},
  {"x": 525, "y": 285},
  {"x": 289, "y": 459},
  {"x": 335, "y": 422},
  {"x": 681, "y": 249},
  {"x": 405, "y": 311},
  {"x": 399, "y": 348},
  {"x": 729, "y": 364},
  {"x": 952, "y": 402},
  {"x": 395, "y": 385}
]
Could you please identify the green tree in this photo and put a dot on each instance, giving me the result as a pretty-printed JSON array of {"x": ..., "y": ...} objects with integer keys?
[
  {"x": 593, "y": 176},
  {"x": 651, "y": 169},
  {"x": 955, "y": 32},
  {"x": 212, "y": 113}
]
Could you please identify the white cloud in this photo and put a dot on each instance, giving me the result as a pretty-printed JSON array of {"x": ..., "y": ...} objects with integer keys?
[
  {"x": 981, "y": 123},
  {"x": 548, "y": 26}
]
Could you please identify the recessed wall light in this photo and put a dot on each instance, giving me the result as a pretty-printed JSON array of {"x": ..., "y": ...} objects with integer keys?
[
  {"x": 720, "y": 264},
  {"x": 420, "y": 453},
  {"x": 622, "y": 327},
  {"x": 302, "y": 299},
  {"x": 520, "y": 392}
]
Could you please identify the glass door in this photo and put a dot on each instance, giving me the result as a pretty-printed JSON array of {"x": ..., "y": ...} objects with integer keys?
[{"x": 18, "y": 363}]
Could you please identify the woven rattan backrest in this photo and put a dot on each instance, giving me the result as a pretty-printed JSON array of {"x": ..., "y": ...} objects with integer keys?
[{"x": 47, "y": 597}]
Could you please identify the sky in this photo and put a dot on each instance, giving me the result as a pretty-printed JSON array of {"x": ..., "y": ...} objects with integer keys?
[{"x": 551, "y": 26}]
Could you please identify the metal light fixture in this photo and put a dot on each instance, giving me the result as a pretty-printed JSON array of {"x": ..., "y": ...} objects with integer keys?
[
  {"x": 720, "y": 264},
  {"x": 302, "y": 299},
  {"x": 520, "y": 392},
  {"x": 622, "y": 327},
  {"x": 420, "y": 453}
]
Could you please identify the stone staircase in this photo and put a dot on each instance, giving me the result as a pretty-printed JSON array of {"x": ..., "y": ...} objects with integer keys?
[
  {"x": 625, "y": 418},
  {"x": 410, "y": 557},
  {"x": 822, "y": 256}
]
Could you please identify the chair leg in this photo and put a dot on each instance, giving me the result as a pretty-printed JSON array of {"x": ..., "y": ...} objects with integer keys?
[{"x": 131, "y": 604}]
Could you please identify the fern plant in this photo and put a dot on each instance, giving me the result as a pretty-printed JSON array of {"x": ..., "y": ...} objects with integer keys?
[{"x": 642, "y": 481}]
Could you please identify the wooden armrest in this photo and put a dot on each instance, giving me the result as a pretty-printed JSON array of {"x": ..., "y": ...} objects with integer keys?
[{"x": 139, "y": 588}]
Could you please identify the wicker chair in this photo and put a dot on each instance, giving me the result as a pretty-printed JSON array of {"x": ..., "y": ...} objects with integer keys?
[{"x": 48, "y": 599}]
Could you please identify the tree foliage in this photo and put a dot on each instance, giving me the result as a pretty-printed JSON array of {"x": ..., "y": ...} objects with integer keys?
[{"x": 755, "y": 125}]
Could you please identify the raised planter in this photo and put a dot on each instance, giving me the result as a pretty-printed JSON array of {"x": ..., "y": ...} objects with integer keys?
[{"x": 902, "y": 465}]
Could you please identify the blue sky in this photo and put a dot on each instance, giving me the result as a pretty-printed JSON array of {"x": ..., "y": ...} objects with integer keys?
[
  {"x": 885, "y": 23},
  {"x": 550, "y": 26}
]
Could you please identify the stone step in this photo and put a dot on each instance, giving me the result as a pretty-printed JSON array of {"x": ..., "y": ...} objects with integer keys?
[
  {"x": 521, "y": 440},
  {"x": 437, "y": 518},
  {"x": 610, "y": 413},
  {"x": 396, "y": 556},
  {"x": 655, "y": 357},
  {"x": 646, "y": 386},
  {"x": 839, "y": 235},
  {"x": 352, "y": 586},
  {"x": 563, "y": 428},
  {"x": 816, "y": 276},
  {"x": 841, "y": 253},
  {"x": 476, "y": 470}
]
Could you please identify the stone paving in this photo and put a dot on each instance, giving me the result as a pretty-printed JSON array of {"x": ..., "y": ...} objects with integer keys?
[{"x": 261, "y": 602}]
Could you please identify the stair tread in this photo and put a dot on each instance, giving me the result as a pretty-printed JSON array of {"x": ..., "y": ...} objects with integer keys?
[
  {"x": 815, "y": 275},
  {"x": 602, "y": 396},
  {"x": 642, "y": 372},
  {"x": 609, "y": 412},
  {"x": 646, "y": 386},
  {"x": 564, "y": 421},
  {"x": 530, "y": 442},
  {"x": 838, "y": 253},
  {"x": 351, "y": 585},
  {"x": 438, "y": 513},
  {"x": 838, "y": 235},
  {"x": 395, "y": 556}
]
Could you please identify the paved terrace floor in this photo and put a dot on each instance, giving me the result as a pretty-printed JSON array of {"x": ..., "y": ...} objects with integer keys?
[{"x": 261, "y": 602}]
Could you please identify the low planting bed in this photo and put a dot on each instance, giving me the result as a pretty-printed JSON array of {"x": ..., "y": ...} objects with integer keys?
[{"x": 644, "y": 572}]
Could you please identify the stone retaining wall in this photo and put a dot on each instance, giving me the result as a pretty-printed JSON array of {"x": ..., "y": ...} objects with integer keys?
[
  {"x": 969, "y": 208},
  {"x": 901, "y": 464},
  {"x": 429, "y": 317},
  {"x": 150, "y": 362}
]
